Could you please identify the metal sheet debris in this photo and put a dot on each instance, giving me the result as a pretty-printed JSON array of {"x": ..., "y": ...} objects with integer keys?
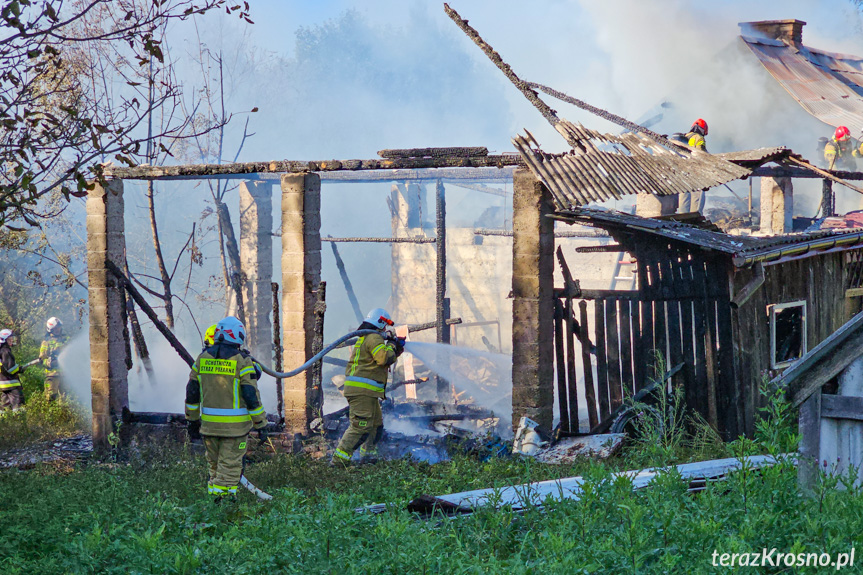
[
  {"x": 569, "y": 449},
  {"x": 828, "y": 85},
  {"x": 519, "y": 497}
]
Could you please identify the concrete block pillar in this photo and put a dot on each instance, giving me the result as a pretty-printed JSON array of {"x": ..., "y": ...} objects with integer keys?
[
  {"x": 256, "y": 259},
  {"x": 301, "y": 273},
  {"x": 650, "y": 205},
  {"x": 533, "y": 303},
  {"x": 106, "y": 241},
  {"x": 777, "y": 205}
]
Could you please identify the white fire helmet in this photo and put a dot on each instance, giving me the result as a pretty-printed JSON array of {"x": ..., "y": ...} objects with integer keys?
[
  {"x": 379, "y": 317},
  {"x": 231, "y": 330},
  {"x": 5, "y": 334},
  {"x": 52, "y": 323}
]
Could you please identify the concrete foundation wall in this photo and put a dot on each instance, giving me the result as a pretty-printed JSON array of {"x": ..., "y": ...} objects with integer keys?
[
  {"x": 301, "y": 273},
  {"x": 532, "y": 304},
  {"x": 108, "y": 373},
  {"x": 256, "y": 258}
]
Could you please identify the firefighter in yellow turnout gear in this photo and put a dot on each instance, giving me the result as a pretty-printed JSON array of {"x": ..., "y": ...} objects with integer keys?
[
  {"x": 365, "y": 383},
  {"x": 48, "y": 352},
  {"x": 223, "y": 404},
  {"x": 841, "y": 149}
]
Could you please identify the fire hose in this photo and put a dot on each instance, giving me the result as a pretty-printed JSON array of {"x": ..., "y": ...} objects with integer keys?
[
  {"x": 316, "y": 358},
  {"x": 285, "y": 374}
]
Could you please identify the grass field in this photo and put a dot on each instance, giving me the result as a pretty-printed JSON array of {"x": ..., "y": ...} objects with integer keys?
[{"x": 151, "y": 514}]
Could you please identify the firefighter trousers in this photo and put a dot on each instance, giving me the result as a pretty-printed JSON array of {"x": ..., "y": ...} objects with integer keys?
[
  {"x": 367, "y": 425},
  {"x": 52, "y": 385},
  {"x": 12, "y": 398},
  {"x": 225, "y": 459}
]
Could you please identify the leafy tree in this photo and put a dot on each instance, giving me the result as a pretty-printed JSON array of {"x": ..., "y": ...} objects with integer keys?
[{"x": 54, "y": 127}]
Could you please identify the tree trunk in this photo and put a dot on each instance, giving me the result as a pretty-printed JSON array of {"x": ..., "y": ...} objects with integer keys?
[
  {"x": 233, "y": 252},
  {"x": 163, "y": 271}
]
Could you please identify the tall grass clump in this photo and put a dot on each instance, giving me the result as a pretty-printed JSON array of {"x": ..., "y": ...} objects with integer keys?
[
  {"x": 665, "y": 432},
  {"x": 42, "y": 418}
]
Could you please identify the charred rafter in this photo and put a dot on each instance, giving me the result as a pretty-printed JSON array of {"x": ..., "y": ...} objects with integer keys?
[
  {"x": 547, "y": 112},
  {"x": 434, "y": 153},
  {"x": 189, "y": 171}
]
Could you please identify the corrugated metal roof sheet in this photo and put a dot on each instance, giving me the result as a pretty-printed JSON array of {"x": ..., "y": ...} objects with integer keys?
[
  {"x": 829, "y": 86},
  {"x": 744, "y": 250},
  {"x": 604, "y": 166}
]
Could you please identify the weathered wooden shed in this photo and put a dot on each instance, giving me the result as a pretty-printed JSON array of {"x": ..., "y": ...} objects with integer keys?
[{"x": 730, "y": 309}]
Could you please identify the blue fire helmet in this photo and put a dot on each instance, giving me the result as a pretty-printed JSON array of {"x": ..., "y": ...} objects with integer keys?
[{"x": 231, "y": 330}]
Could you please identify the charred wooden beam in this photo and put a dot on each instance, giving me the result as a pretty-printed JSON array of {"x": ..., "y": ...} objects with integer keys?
[
  {"x": 598, "y": 294},
  {"x": 418, "y": 240},
  {"x": 547, "y": 112},
  {"x": 789, "y": 172},
  {"x": 432, "y": 324},
  {"x": 242, "y": 169},
  {"x": 484, "y": 189},
  {"x": 441, "y": 301},
  {"x": 317, "y": 393},
  {"x": 557, "y": 234},
  {"x": 604, "y": 114},
  {"x": 434, "y": 153},
  {"x": 600, "y": 249},
  {"x": 277, "y": 346},
  {"x": 343, "y": 273},
  {"x": 142, "y": 303},
  {"x": 448, "y": 175},
  {"x": 823, "y": 173}
]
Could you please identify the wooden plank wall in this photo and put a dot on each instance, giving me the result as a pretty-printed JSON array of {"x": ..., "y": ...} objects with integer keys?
[
  {"x": 680, "y": 314},
  {"x": 819, "y": 280}
]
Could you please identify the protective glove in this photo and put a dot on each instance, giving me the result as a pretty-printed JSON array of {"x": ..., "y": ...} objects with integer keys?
[
  {"x": 400, "y": 345},
  {"x": 194, "y": 429},
  {"x": 263, "y": 435}
]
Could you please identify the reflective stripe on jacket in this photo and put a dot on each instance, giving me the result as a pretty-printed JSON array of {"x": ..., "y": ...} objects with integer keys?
[
  {"x": 223, "y": 394},
  {"x": 696, "y": 141},
  {"x": 48, "y": 353},
  {"x": 8, "y": 369},
  {"x": 840, "y": 155},
  {"x": 366, "y": 373}
]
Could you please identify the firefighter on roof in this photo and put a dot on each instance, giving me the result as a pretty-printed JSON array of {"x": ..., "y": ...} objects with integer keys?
[
  {"x": 365, "y": 382},
  {"x": 694, "y": 138},
  {"x": 695, "y": 135},
  {"x": 51, "y": 346},
  {"x": 11, "y": 394},
  {"x": 223, "y": 404},
  {"x": 840, "y": 150}
]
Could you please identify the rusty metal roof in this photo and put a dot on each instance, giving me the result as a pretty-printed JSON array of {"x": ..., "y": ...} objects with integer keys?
[
  {"x": 604, "y": 166},
  {"x": 744, "y": 250},
  {"x": 828, "y": 85}
]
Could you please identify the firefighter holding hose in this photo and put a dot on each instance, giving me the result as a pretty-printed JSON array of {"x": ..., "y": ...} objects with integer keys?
[
  {"x": 365, "y": 383},
  {"x": 48, "y": 354},
  {"x": 223, "y": 405}
]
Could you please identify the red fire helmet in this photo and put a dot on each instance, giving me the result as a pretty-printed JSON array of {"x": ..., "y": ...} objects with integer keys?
[
  {"x": 701, "y": 124},
  {"x": 842, "y": 134}
]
